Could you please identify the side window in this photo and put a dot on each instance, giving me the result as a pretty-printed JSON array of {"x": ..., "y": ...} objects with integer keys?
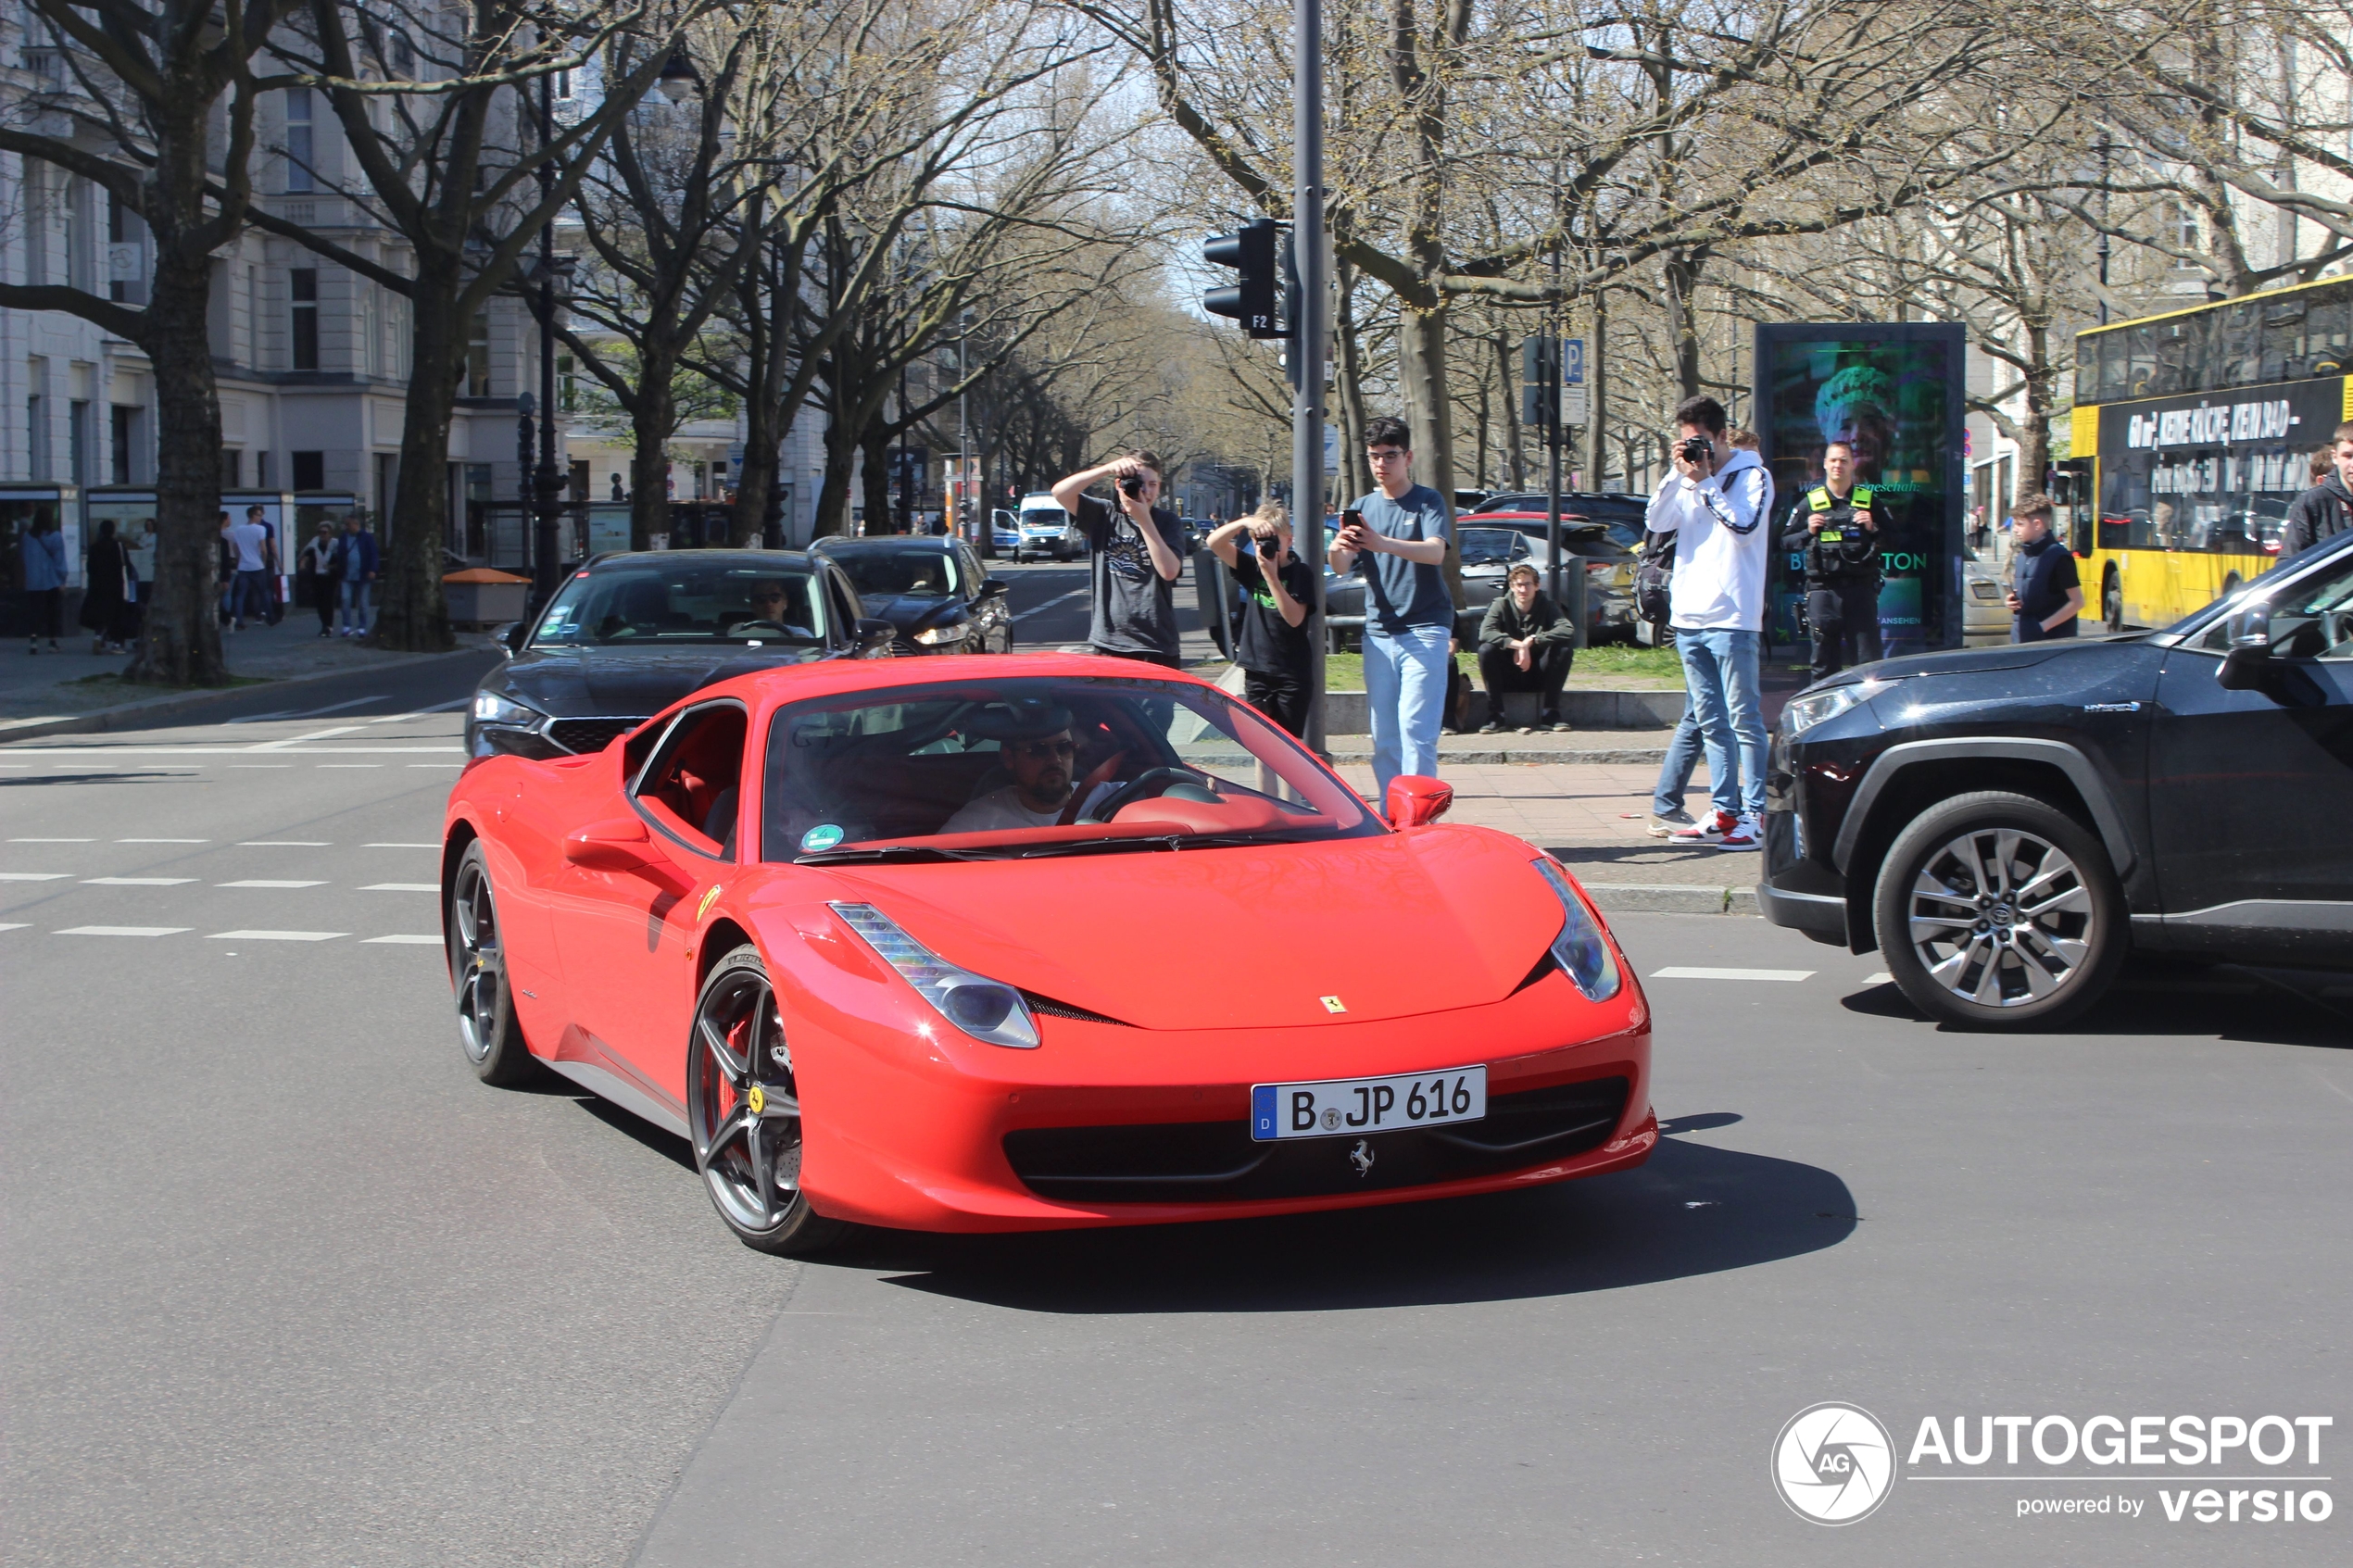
[
  {"x": 690, "y": 791},
  {"x": 844, "y": 607}
]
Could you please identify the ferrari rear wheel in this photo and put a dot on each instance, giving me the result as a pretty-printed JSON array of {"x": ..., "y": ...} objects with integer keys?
[
  {"x": 744, "y": 1113},
  {"x": 486, "y": 1026}
]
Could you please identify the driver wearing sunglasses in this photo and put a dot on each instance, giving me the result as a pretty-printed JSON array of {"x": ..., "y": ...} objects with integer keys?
[{"x": 1044, "y": 764}]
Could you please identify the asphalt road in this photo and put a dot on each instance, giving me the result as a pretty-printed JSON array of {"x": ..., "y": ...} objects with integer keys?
[{"x": 285, "y": 1285}]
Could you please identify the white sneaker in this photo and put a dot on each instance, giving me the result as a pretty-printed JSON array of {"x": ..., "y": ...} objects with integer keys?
[
  {"x": 1661, "y": 826},
  {"x": 1748, "y": 834},
  {"x": 1709, "y": 829}
]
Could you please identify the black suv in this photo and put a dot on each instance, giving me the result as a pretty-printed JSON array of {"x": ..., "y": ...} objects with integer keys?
[{"x": 2004, "y": 822}]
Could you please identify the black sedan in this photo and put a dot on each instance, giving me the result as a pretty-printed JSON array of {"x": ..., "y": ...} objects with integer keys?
[
  {"x": 932, "y": 591},
  {"x": 627, "y": 635},
  {"x": 2005, "y": 823}
]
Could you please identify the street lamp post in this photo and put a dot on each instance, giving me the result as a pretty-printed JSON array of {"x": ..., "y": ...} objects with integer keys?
[
  {"x": 546, "y": 508},
  {"x": 1307, "y": 334}
]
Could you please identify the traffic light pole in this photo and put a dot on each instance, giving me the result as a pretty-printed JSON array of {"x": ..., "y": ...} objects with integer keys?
[{"x": 1307, "y": 337}]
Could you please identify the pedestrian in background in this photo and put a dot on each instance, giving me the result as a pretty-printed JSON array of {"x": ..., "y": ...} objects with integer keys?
[
  {"x": 272, "y": 610},
  {"x": 1396, "y": 539},
  {"x": 224, "y": 572},
  {"x": 1270, "y": 640},
  {"x": 1833, "y": 529},
  {"x": 250, "y": 541},
  {"x": 1715, "y": 501},
  {"x": 110, "y": 592},
  {"x": 2046, "y": 593},
  {"x": 41, "y": 553},
  {"x": 316, "y": 564},
  {"x": 355, "y": 573},
  {"x": 1137, "y": 552},
  {"x": 1525, "y": 644},
  {"x": 2327, "y": 507}
]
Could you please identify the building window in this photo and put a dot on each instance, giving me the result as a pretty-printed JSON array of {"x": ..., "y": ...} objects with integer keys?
[
  {"x": 126, "y": 253},
  {"x": 38, "y": 183},
  {"x": 305, "y": 283},
  {"x": 567, "y": 385},
  {"x": 2183, "y": 220},
  {"x": 77, "y": 442},
  {"x": 310, "y": 471},
  {"x": 261, "y": 471},
  {"x": 37, "y": 435},
  {"x": 387, "y": 487},
  {"x": 232, "y": 468},
  {"x": 478, "y": 356},
  {"x": 298, "y": 139},
  {"x": 79, "y": 255},
  {"x": 124, "y": 443}
]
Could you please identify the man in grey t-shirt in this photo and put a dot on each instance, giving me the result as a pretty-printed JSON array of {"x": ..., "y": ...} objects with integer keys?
[
  {"x": 1398, "y": 542},
  {"x": 1138, "y": 552}
]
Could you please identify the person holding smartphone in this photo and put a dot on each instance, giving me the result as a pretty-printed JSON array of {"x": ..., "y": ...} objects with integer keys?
[
  {"x": 1136, "y": 554},
  {"x": 1396, "y": 538}
]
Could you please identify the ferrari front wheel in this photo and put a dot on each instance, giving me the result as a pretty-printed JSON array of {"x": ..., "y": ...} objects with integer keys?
[
  {"x": 477, "y": 942},
  {"x": 744, "y": 1112}
]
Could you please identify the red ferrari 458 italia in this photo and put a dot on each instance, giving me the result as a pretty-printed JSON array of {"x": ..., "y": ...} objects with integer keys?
[{"x": 1015, "y": 944}]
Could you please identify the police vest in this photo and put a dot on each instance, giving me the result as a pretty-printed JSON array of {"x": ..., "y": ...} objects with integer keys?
[{"x": 1841, "y": 549}]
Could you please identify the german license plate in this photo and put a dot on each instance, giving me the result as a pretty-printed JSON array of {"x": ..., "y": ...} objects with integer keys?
[{"x": 1353, "y": 1107}]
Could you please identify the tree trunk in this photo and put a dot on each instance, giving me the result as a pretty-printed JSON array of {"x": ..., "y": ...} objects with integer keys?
[
  {"x": 180, "y": 640},
  {"x": 1421, "y": 365},
  {"x": 755, "y": 483},
  {"x": 1353, "y": 466},
  {"x": 1597, "y": 403},
  {"x": 651, "y": 421},
  {"x": 412, "y": 615},
  {"x": 832, "y": 499},
  {"x": 2034, "y": 440},
  {"x": 876, "y": 476},
  {"x": 1683, "y": 268},
  {"x": 1515, "y": 458}
]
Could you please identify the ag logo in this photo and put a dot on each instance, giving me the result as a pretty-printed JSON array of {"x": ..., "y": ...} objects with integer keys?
[{"x": 1833, "y": 1463}]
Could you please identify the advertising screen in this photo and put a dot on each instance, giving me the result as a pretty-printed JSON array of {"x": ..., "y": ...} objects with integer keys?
[{"x": 1896, "y": 392}]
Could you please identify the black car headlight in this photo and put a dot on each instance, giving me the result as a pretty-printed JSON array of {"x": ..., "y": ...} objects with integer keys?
[
  {"x": 1580, "y": 949},
  {"x": 492, "y": 708},
  {"x": 1802, "y": 713},
  {"x": 951, "y": 632}
]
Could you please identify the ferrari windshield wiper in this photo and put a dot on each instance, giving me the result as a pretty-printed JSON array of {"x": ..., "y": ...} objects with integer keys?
[
  {"x": 1157, "y": 841},
  {"x": 887, "y": 854}
]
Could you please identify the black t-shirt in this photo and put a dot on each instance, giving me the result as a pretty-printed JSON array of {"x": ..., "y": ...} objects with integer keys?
[
  {"x": 2041, "y": 575},
  {"x": 1263, "y": 641},
  {"x": 1135, "y": 606}
]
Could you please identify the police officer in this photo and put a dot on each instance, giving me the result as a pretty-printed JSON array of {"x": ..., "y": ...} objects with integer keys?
[{"x": 1834, "y": 526}]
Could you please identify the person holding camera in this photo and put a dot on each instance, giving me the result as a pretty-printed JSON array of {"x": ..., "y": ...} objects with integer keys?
[
  {"x": 1834, "y": 528},
  {"x": 1137, "y": 553},
  {"x": 1715, "y": 502},
  {"x": 1270, "y": 638},
  {"x": 1396, "y": 539}
]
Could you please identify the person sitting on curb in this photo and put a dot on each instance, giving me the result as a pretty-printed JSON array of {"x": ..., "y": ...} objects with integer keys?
[{"x": 1525, "y": 644}]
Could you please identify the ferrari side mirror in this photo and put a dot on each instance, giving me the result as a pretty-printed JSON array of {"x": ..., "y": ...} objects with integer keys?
[
  {"x": 1414, "y": 801},
  {"x": 619, "y": 845}
]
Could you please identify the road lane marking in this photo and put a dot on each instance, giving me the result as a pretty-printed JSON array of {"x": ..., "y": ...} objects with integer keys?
[
  {"x": 257, "y": 882},
  {"x": 1040, "y": 609},
  {"x": 453, "y": 704},
  {"x": 275, "y": 936},
  {"x": 1689, "y": 972},
  {"x": 402, "y": 941},
  {"x": 163, "y": 841},
  {"x": 137, "y": 881},
  {"x": 402, "y": 887},
  {"x": 262, "y": 764},
  {"x": 34, "y": 876},
  {"x": 327, "y": 733},
  {"x": 52, "y": 841},
  {"x": 122, "y": 931},
  {"x": 285, "y": 843},
  {"x": 310, "y": 713},
  {"x": 17, "y": 926},
  {"x": 400, "y": 846},
  {"x": 350, "y": 764},
  {"x": 1881, "y": 978}
]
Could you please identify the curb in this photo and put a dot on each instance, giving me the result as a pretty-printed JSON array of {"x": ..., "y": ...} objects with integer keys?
[
  {"x": 128, "y": 715},
  {"x": 1623, "y": 757},
  {"x": 1670, "y": 898}
]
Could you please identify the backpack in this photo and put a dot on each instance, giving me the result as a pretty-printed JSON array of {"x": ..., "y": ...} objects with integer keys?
[{"x": 1655, "y": 577}]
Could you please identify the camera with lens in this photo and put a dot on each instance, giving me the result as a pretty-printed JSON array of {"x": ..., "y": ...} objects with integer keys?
[
  {"x": 1694, "y": 450},
  {"x": 1132, "y": 486}
]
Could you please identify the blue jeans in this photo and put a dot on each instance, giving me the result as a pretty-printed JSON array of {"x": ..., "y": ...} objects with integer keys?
[
  {"x": 1682, "y": 759},
  {"x": 250, "y": 598},
  {"x": 1405, "y": 689},
  {"x": 354, "y": 604},
  {"x": 1720, "y": 677}
]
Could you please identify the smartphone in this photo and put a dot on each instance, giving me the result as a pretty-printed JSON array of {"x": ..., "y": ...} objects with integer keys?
[{"x": 1352, "y": 518}]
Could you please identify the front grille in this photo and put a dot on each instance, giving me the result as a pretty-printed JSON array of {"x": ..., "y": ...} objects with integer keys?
[
  {"x": 1216, "y": 1161},
  {"x": 902, "y": 647},
  {"x": 584, "y": 735}
]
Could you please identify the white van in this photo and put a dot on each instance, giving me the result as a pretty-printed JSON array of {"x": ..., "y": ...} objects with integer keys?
[{"x": 1047, "y": 530}]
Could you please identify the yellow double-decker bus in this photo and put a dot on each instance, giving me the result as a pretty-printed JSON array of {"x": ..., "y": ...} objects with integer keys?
[{"x": 2193, "y": 430}]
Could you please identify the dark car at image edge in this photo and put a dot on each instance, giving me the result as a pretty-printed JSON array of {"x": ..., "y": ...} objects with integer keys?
[{"x": 2007, "y": 823}]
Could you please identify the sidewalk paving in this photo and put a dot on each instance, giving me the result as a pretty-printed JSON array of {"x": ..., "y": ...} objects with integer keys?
[{"x": 51, "y": 694}]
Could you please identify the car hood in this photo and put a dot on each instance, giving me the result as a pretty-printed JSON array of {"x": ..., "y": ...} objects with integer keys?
[
  {"x": 1401, "y": 924},
  {"x": 908, "y": 611},
  {"x": 601, "y": 683},
  {"x": 1964, "y": 662}
]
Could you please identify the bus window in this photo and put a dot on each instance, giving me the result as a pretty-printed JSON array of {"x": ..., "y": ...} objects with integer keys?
[
  {"x": 2238, "y": 351},
  {"x": 2283, "y": 357},
  {"x": 2140, "y": 361},
  {"x": 2110, "y": 376},
  {"x": 2324, "y": 331},
  {"x": 2178, "y": 361}
]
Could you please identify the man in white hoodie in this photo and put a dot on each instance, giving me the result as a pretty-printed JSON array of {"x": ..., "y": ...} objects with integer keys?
[{"x": 1716, "y": 502}]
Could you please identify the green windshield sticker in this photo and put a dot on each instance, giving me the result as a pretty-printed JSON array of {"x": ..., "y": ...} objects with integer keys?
[{"x": 824, "y": 835}]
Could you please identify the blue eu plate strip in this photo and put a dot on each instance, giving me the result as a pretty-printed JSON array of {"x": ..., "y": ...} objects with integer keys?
[{"x": 1262, "y": 1111}]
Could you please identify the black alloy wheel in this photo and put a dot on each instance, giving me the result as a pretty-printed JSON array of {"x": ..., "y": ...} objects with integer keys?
[
  {"x": 744, "y": 1113},
  {"x": 1999, "y": 911},
  {"x": 477, "y": 948}
]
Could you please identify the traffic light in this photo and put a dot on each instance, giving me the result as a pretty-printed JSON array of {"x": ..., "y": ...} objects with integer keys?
[
  {"x": 1251, "y": 301},
  {"x": 1540, "y": 381}
]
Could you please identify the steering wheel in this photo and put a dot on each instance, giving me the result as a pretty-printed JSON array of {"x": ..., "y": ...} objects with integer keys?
[
  {"x": 2337, "y": 627},
  {"x": 1149, "y": 785},
  {"x": 758, "y": 628}
]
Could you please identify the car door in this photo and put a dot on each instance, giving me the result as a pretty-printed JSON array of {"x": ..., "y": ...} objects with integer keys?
[
  {"x": 627, "y": 926},
  {"x": 2251, "y": 792}
]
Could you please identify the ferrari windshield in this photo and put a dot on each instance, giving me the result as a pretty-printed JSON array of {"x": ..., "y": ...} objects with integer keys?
[
  {"x": 682, "y": 600},
  {"x": 884, "y": 572},
  {"x": 1036, "y": 767}
]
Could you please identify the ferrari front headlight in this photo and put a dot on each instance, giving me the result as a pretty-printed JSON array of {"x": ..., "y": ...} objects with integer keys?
[
  {"x": 988, "y": 1010},
  {"x": 1581, "y": 949}
]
